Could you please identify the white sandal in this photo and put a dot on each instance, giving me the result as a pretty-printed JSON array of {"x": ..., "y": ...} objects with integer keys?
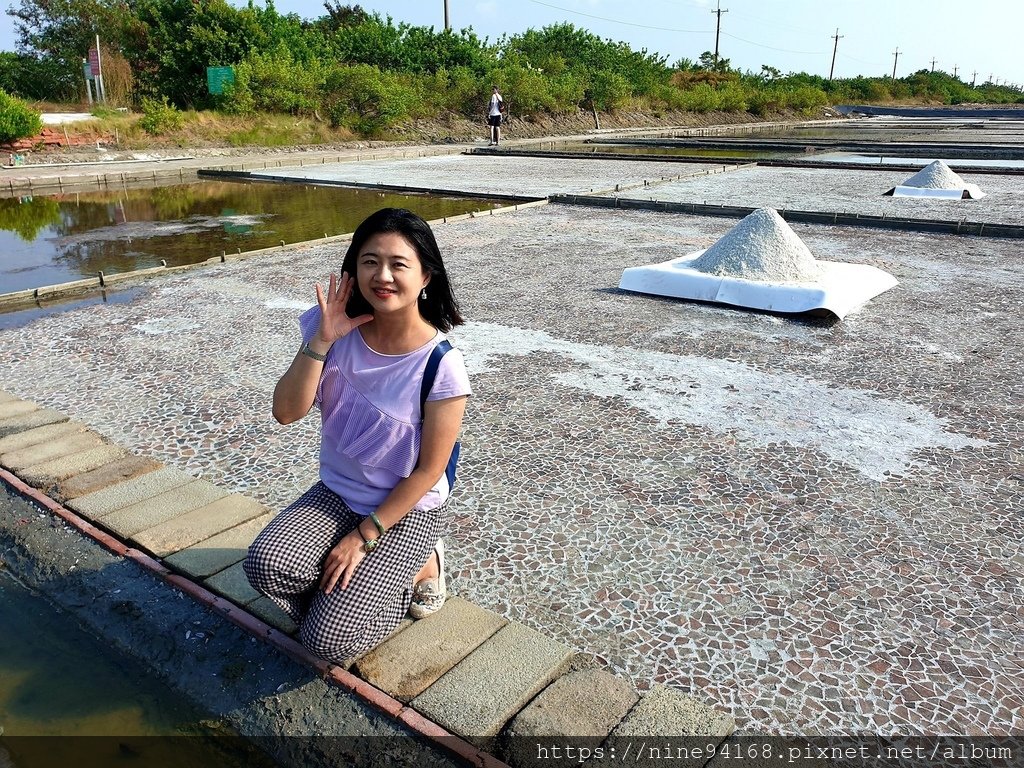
[{"x": 428, "y": 595}]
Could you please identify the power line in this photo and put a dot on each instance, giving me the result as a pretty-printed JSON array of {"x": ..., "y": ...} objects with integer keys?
[
  {"x": 770, "y": 48},
  {"x": 861, "y": 61},
  {"x": 617, "y": 21}
]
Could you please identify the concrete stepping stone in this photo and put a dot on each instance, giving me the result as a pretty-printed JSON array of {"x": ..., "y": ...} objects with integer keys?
[
  {"x": 218, "y": 552},
  {"x": 40, "y": 453},
  {"x": 477, "y": 697},
  {"x": 663, "y": 726},
  {"x": 10, "y": 425},
  {"x": 403, "y": 625},
  {"x": 109, "y": 474},
  {"x": 233, "y": 584},
  {"x": 410, "y": 662},
  {"x": 579, "y": 705},
  {"x": 50, "y": 472},
  {"x": 98, "y": 504},
  {"x": 39, "y": 435},
  {"x": 131, "y": 520},
  {"x": 267, "y": 610},
  {"x": 669, "y": 712},
  {"x": 199, "y": 524},
  {"x": 16, "y": 407}
]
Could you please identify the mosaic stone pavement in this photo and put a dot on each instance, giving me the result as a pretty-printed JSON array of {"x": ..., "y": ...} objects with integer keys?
[
  {"x": 841, "y": 191},
  {"x": 813, "y": 525}
]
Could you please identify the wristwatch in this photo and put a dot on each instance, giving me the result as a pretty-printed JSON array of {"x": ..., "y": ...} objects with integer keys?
[{"x": 308, "y": 351}]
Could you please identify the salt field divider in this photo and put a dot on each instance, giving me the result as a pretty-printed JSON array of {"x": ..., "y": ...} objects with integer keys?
[
  {"x": 258, "y": 176},
  {"x": 976, "y": 228},
  {"x": 11, "y": 301},
  {"x": 940, "y": 149},
  {"x": 745, "y": 161}
]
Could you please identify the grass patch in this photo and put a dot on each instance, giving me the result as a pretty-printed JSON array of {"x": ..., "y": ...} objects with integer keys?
[{"x": 210, "y": 129}]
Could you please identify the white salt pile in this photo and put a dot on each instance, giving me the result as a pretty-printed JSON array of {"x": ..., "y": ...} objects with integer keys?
[
  {"x": 761, "y": 247},
  {"x": 935, "y": 175}
]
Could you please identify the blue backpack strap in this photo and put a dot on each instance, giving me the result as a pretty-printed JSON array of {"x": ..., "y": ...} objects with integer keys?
[{"x": 429, "y": 374}]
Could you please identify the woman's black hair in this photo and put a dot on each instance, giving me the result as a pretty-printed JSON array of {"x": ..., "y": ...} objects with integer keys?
[{"x": 440, "y": 308}]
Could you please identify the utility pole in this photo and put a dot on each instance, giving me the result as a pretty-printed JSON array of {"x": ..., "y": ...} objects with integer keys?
[
  {"x": 447, "y": 25},
  {"x": 897, "y": 54},
  {"x": 955, "y": 68},
  {"x": 933, "y": 64},
  {"x": 974, "y": 78},
  {"x": 718, "y": 27},
  {"x": 835, "y": 37}
]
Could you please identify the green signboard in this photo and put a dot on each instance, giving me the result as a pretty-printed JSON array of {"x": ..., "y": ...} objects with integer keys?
[{"x": 217, "y": 78}]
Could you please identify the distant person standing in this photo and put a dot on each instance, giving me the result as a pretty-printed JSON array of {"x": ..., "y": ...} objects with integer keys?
[{"x": 495, "y": 110}]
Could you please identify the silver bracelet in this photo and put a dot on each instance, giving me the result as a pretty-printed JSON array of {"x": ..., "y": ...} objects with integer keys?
[{"x": 306, "y": 350}]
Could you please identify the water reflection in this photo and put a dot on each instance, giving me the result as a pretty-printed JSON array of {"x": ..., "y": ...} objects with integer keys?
[{"x": 48, "y": 240}]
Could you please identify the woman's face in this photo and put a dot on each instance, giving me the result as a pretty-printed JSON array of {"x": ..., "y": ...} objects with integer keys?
[{"x": 389, "y": 273}]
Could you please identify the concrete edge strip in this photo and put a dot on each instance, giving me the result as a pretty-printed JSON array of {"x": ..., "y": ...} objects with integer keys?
[
  {"x": 329, "y": 672},
  {"x": 962, "y": 228},
  {"x": 820, "y": 165},
  {"x": 29, "y": 295}
]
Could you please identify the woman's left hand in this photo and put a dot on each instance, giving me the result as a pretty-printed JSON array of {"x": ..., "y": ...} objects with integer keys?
[{"x": 342, "y": 562}]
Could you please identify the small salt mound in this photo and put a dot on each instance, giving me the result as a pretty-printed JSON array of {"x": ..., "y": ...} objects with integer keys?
[
  {"x": 935, "y": 175},
  {"x": 761, "y": 247}
]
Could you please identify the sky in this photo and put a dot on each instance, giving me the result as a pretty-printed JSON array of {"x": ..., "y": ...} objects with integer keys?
[{"x": 982, "y": 37}]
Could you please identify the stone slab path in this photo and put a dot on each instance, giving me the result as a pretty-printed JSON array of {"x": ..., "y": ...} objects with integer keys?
[{"x": 465, "y": 668}]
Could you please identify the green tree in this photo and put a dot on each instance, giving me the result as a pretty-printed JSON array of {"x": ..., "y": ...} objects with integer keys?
[
  {"x": 711, "y": 63},
  {"x": 29, "y": 76},
  {"x": 61, "y": 32},
  {"x": 174, "y": 41}
]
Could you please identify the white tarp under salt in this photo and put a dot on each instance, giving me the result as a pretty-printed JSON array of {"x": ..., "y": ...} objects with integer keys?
[
  {"x": 762, "y": 264},
  {"x": 841, "y": 288},
  {"x": 937, "y": 180}
]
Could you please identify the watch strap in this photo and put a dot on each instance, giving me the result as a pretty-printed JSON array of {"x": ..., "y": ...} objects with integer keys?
[{"x": 308, "y": 352}]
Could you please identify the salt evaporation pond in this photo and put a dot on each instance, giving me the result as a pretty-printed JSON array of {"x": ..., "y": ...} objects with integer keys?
[{"x": 55, "y": 239}]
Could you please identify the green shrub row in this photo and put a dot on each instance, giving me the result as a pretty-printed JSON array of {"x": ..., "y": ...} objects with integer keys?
[
  {"x": 17, "y": 119},
  {"x": 367, "y": 73}
]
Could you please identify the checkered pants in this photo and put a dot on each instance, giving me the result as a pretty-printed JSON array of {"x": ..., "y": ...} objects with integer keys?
[{"x": 286, "y": 560}]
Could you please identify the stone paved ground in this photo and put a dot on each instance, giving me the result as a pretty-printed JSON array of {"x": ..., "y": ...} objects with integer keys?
[{"x": 813, "y": 525}]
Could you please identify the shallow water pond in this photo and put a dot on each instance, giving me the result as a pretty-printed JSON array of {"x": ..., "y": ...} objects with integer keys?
[
  {"x": 68, "y": 699},
  {"x": 55, "y": 239}
]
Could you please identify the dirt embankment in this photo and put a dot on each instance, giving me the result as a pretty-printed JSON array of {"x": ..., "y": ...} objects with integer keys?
[
  {"x": 447, "y": 130},
  {"x": 541, "y": 126}
]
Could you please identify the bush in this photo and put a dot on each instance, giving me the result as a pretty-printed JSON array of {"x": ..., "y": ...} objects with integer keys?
[
  {"x": 807, "y": 98},
  {"x": 17, "y": 119},
  {"x": 701, "y": 98},
  {"x": 610, "y": 91},
  {"x": 160, "y": 117},
  {"x": 275, "y": 82},
  {"x": 365, "y": 99},
  {"x": 525, "y": 90}
]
